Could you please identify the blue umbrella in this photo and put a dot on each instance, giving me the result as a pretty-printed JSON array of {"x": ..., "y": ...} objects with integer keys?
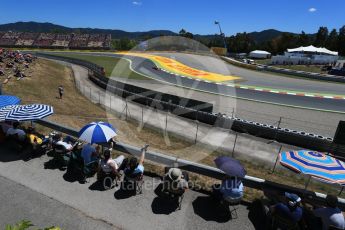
[
  {"x": 29, "y": 112},
  {"x": 230, "y": 166},
  {"x": 97, "y": 132},
  {"x": 6, "y": 100},
  {"x": 318, "y": 165}
]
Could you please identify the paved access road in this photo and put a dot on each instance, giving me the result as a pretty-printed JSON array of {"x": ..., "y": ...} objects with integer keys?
[{"x": 49, "y": 197}]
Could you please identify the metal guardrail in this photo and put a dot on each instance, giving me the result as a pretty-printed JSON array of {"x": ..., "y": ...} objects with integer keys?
[
  {"x": 283, "y": 135},
  {"x": 249, "y": 181}
]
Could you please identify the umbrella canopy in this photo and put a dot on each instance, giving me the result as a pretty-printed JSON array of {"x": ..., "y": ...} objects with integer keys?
[
  {"x": 6, "y": 100},
  {"x": 97, "y": 132},
  {"x": 29, "y": 112},
  {"x": 4, "y": 111},
  {"x": 315, "y": 164},
  {"x": 230, "y": 166}
]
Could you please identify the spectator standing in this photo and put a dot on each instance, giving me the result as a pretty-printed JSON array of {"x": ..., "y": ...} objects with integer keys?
[{"x": 61, "y": 91}]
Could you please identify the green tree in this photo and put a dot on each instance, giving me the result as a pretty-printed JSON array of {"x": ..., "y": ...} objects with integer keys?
[
  {"x": 321, "y": 37},
  {"x": 303, "y": 39},
  {"x": 341, "y": 41},
  {"x": 332, "y": 40}
]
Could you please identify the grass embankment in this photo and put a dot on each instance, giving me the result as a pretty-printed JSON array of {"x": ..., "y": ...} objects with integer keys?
[
  {"x": 75, "y": 110},
  {"x": 114, "y": 67}
]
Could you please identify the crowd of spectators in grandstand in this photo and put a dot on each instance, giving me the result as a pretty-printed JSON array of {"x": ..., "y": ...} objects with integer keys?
[{"x": 52, "y": 40}]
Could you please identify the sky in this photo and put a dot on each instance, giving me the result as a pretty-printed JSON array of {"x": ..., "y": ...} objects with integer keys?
[{"x": 195, "y": 16}]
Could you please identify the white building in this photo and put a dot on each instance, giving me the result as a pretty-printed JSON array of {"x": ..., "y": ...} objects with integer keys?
[
  {"x": 260, "y": 54},
  {"x": 306, "y": 55}
]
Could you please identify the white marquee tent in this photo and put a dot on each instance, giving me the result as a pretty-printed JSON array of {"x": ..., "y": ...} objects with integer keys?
[
  {"x": 312, "y": 49},
  {"x": 259, "y": 54}
]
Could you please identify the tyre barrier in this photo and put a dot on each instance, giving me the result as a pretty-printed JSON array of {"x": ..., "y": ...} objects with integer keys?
[{"x": 171, "y": 103}]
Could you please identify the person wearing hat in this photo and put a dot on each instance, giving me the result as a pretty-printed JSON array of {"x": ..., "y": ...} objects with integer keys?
[
  {"x": 175, "y": 181},
  {"x": 290, "y": 209},
  {"x": 330, "y": 215}
]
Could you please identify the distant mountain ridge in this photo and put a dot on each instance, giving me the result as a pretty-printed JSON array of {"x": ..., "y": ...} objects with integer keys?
[{"x": 46, "y": 27}]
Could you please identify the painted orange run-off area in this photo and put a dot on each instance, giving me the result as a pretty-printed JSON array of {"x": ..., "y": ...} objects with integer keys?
[{"x": 176, "y": 67}]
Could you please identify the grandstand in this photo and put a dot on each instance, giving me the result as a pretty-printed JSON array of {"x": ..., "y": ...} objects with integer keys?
[
  {"x": 26, "y": 39},
  {"x": 62, "y": 40},
  {"x": 51, "y": 40}
]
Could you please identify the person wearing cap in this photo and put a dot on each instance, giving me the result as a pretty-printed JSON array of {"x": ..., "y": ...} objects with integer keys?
[
  {"x": 330, "y": 215},
  {"x": 290, "y": 209},
  {"x": 175, "y": 182}
]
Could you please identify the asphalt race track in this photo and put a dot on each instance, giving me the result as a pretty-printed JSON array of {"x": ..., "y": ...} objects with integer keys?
[{"x": 146, "y": 67}]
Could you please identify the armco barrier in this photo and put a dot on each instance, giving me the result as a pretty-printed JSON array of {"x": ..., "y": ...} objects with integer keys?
[
  {"x": 252, "y": 182},
  {"x": 143, "y": 96}
]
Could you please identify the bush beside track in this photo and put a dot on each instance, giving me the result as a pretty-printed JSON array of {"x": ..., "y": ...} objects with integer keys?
[{"x": 172, "y": 103}]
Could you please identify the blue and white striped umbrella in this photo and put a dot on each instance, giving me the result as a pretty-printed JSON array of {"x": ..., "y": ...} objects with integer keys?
[
  {"x": 97, "y": 132},
  {"x": 6, "y": 100},
  {"x": 29, "y": 112},
  {"x": 4, "y": 111}
]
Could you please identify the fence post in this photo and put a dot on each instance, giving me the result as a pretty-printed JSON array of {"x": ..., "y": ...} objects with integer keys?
[
  {"x": 275, "y": 163},
  {"x": 233, "y": 148},
  {"x": 142, "y": 116},
  {"x": 166, "y": 124},
  {"x": 196, "y": 133},
  {"x": 232, "y": 113}
]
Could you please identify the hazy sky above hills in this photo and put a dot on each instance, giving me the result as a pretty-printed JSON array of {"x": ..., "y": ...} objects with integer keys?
[{"x": 195, "y": 16}]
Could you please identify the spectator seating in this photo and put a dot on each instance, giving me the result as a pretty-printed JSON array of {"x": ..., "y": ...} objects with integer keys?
[
  {"x": 44, "y": 40},
  {"x": 26, "y": 39},
  {"x": 51, "y": 40},
  {"x": 9, "y": 38},
  {"x": 62, "y": 40},
  {"x": 79, "y": 40}
]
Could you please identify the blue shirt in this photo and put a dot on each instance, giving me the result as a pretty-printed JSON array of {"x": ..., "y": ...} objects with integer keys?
[
  {"x": 86, "y": 153},
  {"x": 138, "y": 170},
  {"x": 231, "y": 188},
  {"x": 293, "y": 215}
]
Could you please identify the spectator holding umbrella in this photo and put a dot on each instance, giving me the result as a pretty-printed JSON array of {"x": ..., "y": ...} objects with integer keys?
[
  {"x": 61, "y": 91},
  {"x": 231, "y": 188}
]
